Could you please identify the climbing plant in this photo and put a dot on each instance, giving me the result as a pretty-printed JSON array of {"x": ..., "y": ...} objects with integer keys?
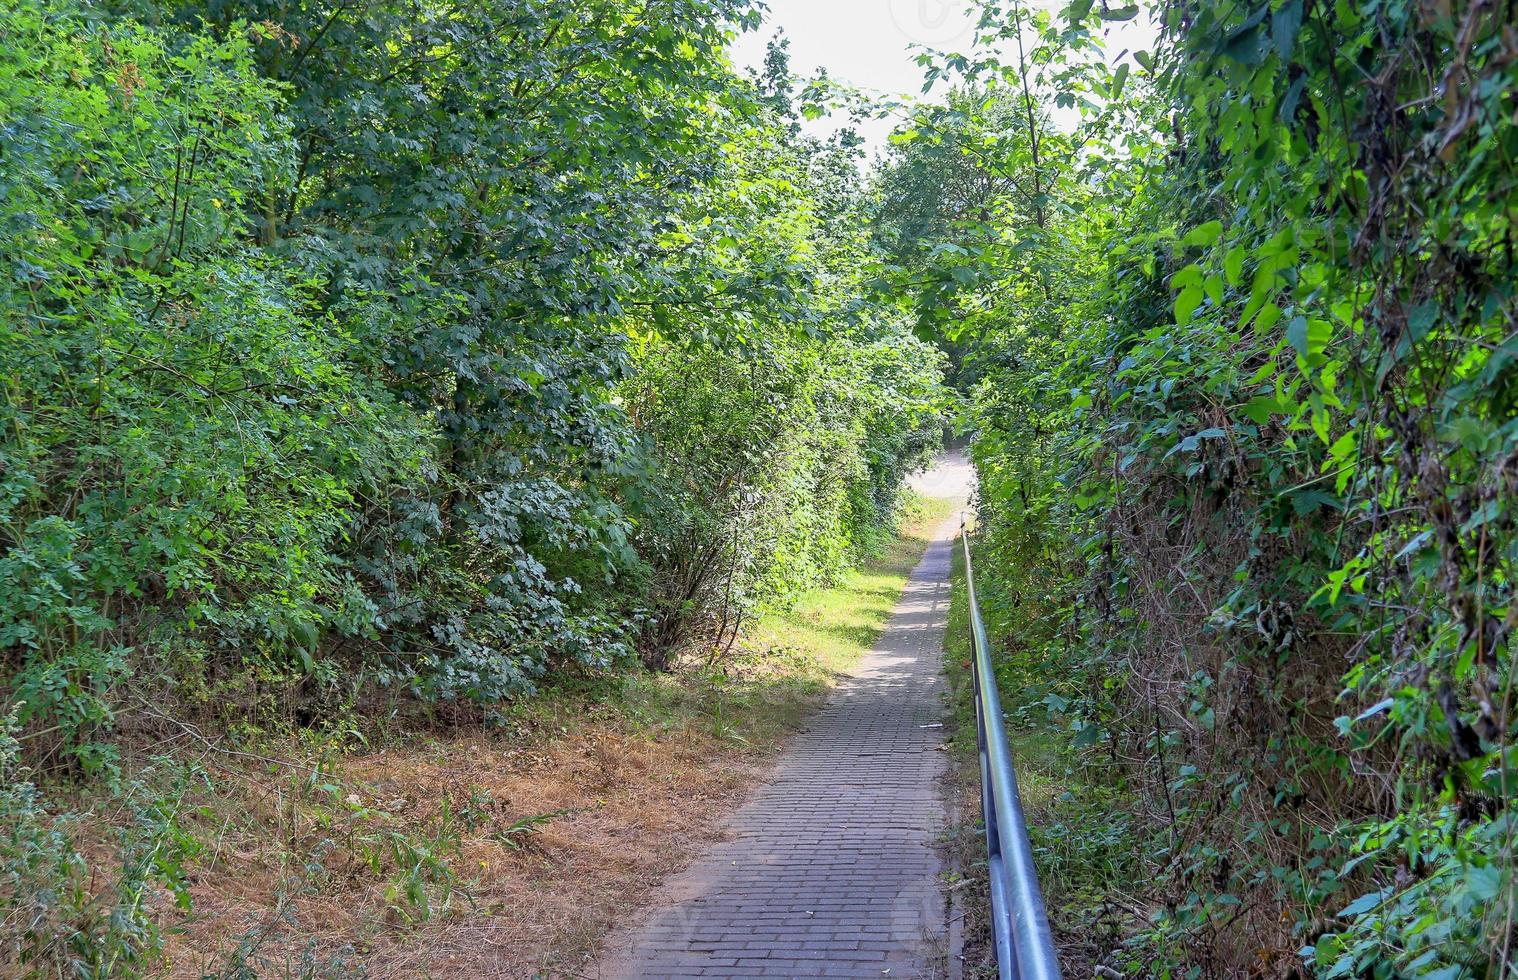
[{"x": 1244, "y": 421}]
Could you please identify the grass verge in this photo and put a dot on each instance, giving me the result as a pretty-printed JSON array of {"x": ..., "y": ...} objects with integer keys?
[
  {"x": 509, "y": 850},
  {"x": 1075, "y": 817}
]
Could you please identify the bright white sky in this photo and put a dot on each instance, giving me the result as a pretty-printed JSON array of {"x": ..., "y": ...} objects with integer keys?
[{"x": 869, "y": 43}]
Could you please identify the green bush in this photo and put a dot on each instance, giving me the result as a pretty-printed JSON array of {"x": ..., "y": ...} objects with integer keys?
[
  {"x": 183, "y": 446},
  {"x": 326, "y": 360},
  {"x": 1241, "y": 352},
  {"x": 776, "y": 453}
]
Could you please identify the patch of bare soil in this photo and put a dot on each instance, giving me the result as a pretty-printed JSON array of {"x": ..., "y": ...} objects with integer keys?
[{"x": 466, "y": 857}]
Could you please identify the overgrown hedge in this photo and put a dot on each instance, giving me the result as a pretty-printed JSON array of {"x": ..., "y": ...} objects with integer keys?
[
  {"x": 1244, "y": 354},
  {"x": 395, "y": 346}
]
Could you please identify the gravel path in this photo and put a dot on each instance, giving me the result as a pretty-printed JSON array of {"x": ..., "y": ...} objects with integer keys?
[{"x": 830, "y": 869}]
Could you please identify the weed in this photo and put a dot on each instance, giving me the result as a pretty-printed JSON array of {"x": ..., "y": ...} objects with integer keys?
[{"x": 516, "y": 835}]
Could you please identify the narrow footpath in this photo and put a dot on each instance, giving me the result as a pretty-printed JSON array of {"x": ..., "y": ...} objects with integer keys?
[{"x": 830, "y": 868}]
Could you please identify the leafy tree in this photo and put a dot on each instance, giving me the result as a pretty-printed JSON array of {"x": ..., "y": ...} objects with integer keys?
[
  {"x": 323, "y": 341},
  {"x": 784, "y": 404}
]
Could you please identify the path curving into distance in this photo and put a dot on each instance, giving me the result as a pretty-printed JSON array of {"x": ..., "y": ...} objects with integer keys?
[{"x": 830, "y": 869}]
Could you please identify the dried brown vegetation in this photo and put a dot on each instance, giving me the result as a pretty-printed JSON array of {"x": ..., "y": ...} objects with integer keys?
[{"x": 628, "y": 808}]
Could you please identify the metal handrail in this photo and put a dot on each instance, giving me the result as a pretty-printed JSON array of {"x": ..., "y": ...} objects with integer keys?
[{"x": 1024, "y": 943}]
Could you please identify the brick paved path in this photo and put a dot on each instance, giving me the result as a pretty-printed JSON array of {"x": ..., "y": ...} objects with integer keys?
[{"x": 830, "y": 868}]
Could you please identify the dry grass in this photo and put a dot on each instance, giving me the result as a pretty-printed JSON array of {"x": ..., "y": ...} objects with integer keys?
[
  {"x": 320, "y": 873},
  {"x": 507, "y": 851}
]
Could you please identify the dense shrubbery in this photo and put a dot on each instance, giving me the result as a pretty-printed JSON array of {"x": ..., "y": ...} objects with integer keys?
[
  {"x": 779, "y": 455},
  {"x": 776, "y": 469},
  {"x": 1246, "y": 437},
  {"x": 437, "y": 348},
  {"x": 321, "y": 343},
  {"x": 187, "y": 443}
]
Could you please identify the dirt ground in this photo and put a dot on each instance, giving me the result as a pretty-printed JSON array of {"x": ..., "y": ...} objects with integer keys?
[{"x": 627, "y": 809}]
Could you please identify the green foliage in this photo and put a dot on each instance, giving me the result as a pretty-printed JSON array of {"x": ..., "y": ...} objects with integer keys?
[
  {"x": 427, "y": 348},
  {"x": 495, "y": 180},
  {"x": 778, "y": 469},
  {"x": 183, "y": 446},
  {"x": 320, "y": 345},
  {"x": 778, "y": 452},
  {"x": 1245, "y": 433},
  {"x": 57, "y": 915}
]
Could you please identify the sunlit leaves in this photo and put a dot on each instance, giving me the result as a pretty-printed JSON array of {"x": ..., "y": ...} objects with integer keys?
[
  {"x": 1204, "y": 234},
  {"x": 1261, "y": 408},
  {"x": 1309, "y": 335},
  {"x": 1295, "y": 353}
]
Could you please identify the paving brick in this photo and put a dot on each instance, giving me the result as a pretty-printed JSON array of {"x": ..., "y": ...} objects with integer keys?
[{"x": 830, "y": 869}]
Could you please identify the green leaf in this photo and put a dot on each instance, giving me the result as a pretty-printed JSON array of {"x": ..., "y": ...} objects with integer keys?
[
  {"x": 1187, "y": 275},
  {"x": 1204, "y": 234},
  {"x": 1341, "y": 449},
  {"x": 1233, "y": 264},
  {"x": 1292, "y": 98},
  {"x": 1418, "y": 541},
  {"x": 1308, "y": 335},
  {"x": 1284, "y": 25},
  {"x": 1307, "y": 501},
  {"x": 1329, "y": 948},
  {"x": 1119, "y": 77},
  {"x": 1186, "y": 304},
  {"x": 1077, "y": 11},
  {"x": 1364, "y": 903},
  {"x": 1484, "y": 882},
  {"x": 1244, "y": 43},
  {"x": 1296, "y": 335},
  {"x": 1260, "y": 408}
]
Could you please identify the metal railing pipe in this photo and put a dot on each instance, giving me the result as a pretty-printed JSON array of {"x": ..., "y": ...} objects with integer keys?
[{"x": 1019, "y": 923}]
